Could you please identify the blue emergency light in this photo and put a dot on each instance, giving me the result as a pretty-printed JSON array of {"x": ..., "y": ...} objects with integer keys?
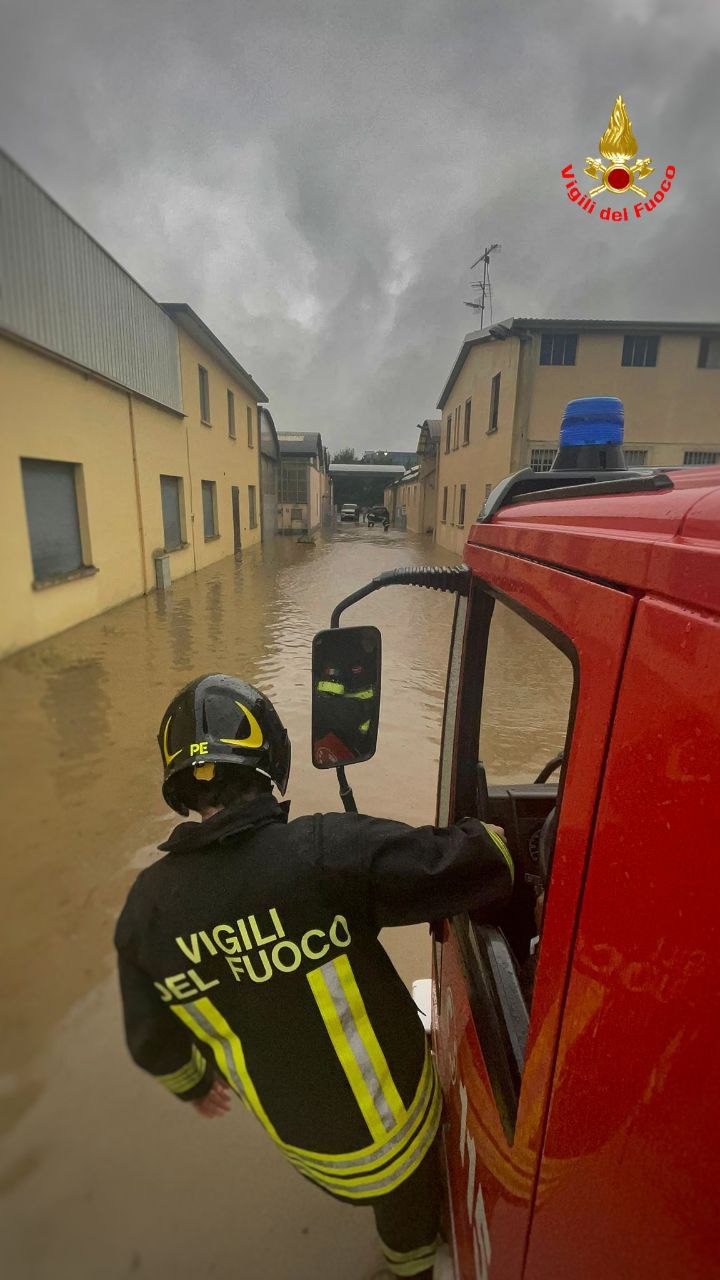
[{"x": 591, "y": 435}]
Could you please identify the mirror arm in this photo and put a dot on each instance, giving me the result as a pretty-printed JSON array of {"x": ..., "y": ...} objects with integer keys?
[
  {"x": 435, "y": 577},
  {"x": 346, "y": 791}
]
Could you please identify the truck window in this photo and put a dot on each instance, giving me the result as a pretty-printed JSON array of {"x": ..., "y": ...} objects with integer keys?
[{"x": 528, "y": 682}]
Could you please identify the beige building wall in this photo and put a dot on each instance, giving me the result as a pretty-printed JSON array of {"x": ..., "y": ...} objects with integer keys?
[
  {"x": 481, "y": 463},
  {"x": 669, "y": 409},
  {"x": 52, "y": 411},
  {"x": 214, "y": 456}
]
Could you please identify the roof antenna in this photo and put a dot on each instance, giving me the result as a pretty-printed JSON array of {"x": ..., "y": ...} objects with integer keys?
[{"x": 484, "y": 285}]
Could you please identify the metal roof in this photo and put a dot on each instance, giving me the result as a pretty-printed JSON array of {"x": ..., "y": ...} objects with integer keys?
[
  {"x": 366, "y": 469},
  {"x": 184, "y": 316},
  {"x": 301, "y": 444},
  {"x": 516, "y": 326},
  {"x": 269, "y": 443}
]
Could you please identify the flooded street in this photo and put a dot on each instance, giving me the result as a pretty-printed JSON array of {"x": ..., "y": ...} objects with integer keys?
[{"x": 104, "y": 1174}]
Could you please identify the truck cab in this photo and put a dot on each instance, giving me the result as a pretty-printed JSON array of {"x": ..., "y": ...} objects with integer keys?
[
  {"x": 575, "y": 1030},
  {"x": 575, "y": 1033}
]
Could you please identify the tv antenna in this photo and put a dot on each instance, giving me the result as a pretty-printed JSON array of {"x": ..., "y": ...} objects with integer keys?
[{"x": 484, "y": 286}]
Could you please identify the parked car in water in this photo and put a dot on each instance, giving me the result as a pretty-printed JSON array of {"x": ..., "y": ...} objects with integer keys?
[
  {"x": 350, "y": 511},
  {"x": 378, "y": 515}
]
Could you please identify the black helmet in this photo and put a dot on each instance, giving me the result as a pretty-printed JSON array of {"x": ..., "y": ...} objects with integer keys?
[{"x": 220, "y": 720}]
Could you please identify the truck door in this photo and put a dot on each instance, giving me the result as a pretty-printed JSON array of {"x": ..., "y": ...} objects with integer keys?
[{"x": 534, "y": 669}]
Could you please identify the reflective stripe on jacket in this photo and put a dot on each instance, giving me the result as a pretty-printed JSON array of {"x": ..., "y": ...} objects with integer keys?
[{"x": 251, "y": 950}]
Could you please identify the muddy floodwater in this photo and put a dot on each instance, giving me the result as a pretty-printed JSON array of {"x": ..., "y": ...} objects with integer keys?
[{"x": 103, "y": 1174}]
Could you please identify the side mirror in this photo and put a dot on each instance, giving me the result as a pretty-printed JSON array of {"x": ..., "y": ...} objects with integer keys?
[{"x": 346, "y": 667}]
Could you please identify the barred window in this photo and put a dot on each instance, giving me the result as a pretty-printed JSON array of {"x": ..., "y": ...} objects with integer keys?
[
  {"x": 701, "y": 458},
  {"x": 636, "y": 457},
  {"x": 640, "y": 352},
  {"x": 542, "y": 459},
  {"x": 558, "y": 348},
  {"x": 293, "y": 481}
]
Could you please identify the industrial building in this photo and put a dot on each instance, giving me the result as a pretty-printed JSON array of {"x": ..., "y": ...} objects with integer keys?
[{"x": 130, "y": 434}]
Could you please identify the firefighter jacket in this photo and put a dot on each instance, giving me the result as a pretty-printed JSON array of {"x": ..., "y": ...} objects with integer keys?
[{"x": 252, "y": 949}]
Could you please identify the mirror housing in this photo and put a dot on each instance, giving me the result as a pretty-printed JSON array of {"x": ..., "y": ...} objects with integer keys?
[{"x": 346, "y": 671}]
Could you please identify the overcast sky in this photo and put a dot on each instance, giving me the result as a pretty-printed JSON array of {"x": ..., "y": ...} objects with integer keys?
[{"x": 315, "y": 177}]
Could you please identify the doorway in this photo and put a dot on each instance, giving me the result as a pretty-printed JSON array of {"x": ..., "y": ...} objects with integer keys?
[{"x": 237, "y": 532}]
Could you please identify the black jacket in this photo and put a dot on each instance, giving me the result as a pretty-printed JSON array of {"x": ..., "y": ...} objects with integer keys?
[{"x": 252, "y": 948}]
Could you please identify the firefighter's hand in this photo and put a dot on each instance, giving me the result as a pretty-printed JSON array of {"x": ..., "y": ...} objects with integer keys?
[
  {"x": 215, "y": 1103},
  {"x": 499, "y": 831}
]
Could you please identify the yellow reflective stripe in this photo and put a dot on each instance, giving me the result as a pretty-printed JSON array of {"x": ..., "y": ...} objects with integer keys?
[
  {"x": 364, "y": 1185},
  {"x": 409, "y": 1255},
  {"x": 416, "y": 1266},
  {"x": 348, "y": 1061},
  {"x": 362, "y": 694},
  {"x": 365, "y": 727},
  {"x": 367, "y": 1035},
  {"x": 254, "y": 738},
  {"x": 329, "y": 686},
  {"x": 496, "y": 839},
  {"x": 377, "y": 1153},
  {"x": 185, "y": 1077},
  {"x": 209, "y": 1025}
]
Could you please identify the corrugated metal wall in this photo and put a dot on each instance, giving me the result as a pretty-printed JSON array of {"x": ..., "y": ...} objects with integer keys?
[{"x": 60, "y": 290}]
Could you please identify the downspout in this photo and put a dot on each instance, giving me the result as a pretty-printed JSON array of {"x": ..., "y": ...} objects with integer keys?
[
  {"x": 192, "y": 513},
  {"x": 138, "y": 500}
]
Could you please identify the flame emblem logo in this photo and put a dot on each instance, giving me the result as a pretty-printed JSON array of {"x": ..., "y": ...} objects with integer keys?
[{"x": 618, "y": 145}]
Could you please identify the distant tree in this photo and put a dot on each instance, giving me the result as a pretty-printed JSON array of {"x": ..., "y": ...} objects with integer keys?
[{"x": 344, "y": 455}]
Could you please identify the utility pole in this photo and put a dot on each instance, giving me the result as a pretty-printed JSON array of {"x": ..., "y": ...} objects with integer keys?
[{"x": 484, "y": 286}]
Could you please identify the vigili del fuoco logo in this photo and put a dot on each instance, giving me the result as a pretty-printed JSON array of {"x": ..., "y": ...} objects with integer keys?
[{"x": 618, "y": 176}]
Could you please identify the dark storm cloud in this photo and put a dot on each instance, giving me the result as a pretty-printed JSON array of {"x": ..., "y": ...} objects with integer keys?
[{"x": 316, "y": 177}]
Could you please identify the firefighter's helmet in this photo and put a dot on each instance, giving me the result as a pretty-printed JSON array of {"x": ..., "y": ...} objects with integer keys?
[{"x": 217, "y": 719}]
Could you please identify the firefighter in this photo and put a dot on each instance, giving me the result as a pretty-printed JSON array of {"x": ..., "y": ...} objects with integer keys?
[
  {"x": 250, "y": 964},
  {"x": 343, "y": 714}
]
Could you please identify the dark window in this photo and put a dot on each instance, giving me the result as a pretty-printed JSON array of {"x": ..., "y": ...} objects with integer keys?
[
  {"x": 171, "y": 494},
  {"x": 448, "y": 434},
  {"x": 461, "y": 512},
  {"x": 445, "y": 501},
  {"x": 701, "y": 458},
  {"x": 488, "y": 489},
  {"x": 466, "y": 425},
  {"x": 636, "y": 457},
  {"x": 542, "y": 459},
  {"x": 209, "y": 503},
  {"x": 640, "y": 352},
  {"x": 456, "y": 429},
  {"x": 204, "y": 394},
  {"x": 558, "y": 348},
  {"x": 52, "y": 514},
  {"x": 709, "y": 355},
  {"x": 249, "y": 427},
  {"x": 494, "y": 403},
  {"x": 252, "y": 509},
  {"x": 231, "y": 415}
]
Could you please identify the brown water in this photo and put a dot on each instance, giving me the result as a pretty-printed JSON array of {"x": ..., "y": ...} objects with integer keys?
[{"x": 103, "y": 1175}]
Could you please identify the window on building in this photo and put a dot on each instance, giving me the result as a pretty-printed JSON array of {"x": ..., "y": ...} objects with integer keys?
[
  {"x": 209, "y": 504},
  {"x": 293, "y": 481},
  {"x": 231, "y": 414},
  {"x": 51, "y": 504},
  {"x": 488, "y": 490},
  {"x": 558, "y": 348},
  {"x": 709, "y": 354},
  {"x": 171, "y": 497},
  {"x": 701, "y": 458},
  {"x": 448, "y": 434},
  {"x": 456, "y": 433},
  {"x": 542, "y": 459},
  {"x": 466, "y": 425},
  {"x": 640, "y": 352},
  {"x": 445, "y": 504},
  {"x": 461, "y": 512},
  {"x": 494, "y": 404},
  {"x": 252, "y": 506},
  {"x": 204, "y": 385},
  {"x": 250, "y": 427},
  {"x": 636, "y": 457}
]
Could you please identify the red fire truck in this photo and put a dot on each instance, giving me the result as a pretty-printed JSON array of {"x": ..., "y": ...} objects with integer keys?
[{"x": 577, "y": 1034}]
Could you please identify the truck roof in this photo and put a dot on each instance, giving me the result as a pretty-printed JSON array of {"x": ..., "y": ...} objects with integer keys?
[{"x": 667, "y": 541}]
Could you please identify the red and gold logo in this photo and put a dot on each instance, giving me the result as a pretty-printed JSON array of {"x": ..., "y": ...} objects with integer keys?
[
  {"x": 618, "y": 145},
  {"x": 620, "y": 175}
]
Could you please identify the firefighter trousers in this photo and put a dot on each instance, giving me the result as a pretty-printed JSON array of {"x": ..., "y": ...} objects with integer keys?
[{"x": 408, "y": 1219}]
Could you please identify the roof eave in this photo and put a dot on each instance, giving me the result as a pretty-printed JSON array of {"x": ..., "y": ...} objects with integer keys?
[{"x": 189, "y": 320}]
